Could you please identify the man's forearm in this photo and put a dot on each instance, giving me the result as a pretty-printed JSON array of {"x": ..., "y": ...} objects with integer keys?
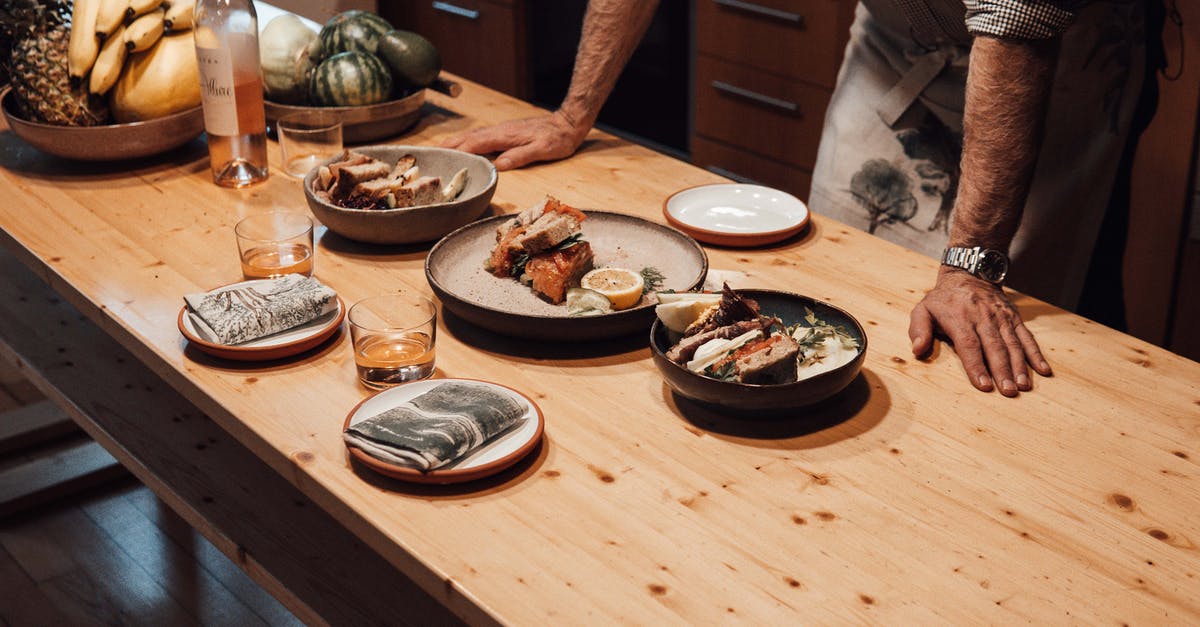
[
  {"x": 1008, "y": 87},
  {"x": 611, "y": 32}
]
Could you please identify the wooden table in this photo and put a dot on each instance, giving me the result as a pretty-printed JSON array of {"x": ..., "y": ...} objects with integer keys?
[{"x": 913, "y": 499}]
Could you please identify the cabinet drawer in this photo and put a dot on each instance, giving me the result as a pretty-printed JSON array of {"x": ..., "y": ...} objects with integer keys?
[
  {"x": 765, "y": 114},
  {"x": 799, "y": 39},
  {"x": 480, "y": 40},
  {"x": 726, "y": 160}
]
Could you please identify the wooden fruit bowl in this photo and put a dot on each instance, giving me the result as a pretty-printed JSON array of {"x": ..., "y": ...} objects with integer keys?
[{"x": 368, "y": 123}]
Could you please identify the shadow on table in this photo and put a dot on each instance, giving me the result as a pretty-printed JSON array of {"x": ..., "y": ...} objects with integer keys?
[
  {"x": 315, "y": 353},
  {"x": 502, "y": 482},
  {"x": 18, "y": 156},
  {"x": 854, "y": 411},
  {"x": 490, "y": 341}
]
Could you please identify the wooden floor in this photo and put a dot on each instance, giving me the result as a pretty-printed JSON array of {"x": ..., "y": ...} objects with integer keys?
[{"x": 114, "y": 555}]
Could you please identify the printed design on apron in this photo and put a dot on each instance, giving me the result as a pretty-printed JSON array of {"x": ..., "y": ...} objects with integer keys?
[
  {"x": 886, "y": 190},
  {"x": 1119, "y": 33}
]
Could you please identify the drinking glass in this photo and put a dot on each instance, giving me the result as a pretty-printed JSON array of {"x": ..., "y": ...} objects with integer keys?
[
  {"x": 308, "y": 138},
  {"x": 393, "y": 338},
  {"x": 274, "y": 244}
]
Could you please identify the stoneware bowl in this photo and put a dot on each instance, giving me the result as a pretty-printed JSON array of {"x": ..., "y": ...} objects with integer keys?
[
  {"x": 368, "y": 123},
  {"x": 764, "y": 400},
  {"x": 414, "y": 224},
  {"x": 111, "y": 142}
]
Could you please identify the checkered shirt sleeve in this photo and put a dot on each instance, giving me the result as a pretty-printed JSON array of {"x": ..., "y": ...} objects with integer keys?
[{"x": 1020, "y": 19}]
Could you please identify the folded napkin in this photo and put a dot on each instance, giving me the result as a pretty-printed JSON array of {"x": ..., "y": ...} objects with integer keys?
[
  {"x": 237, "y": 314},
  {"x": 437, "y": 427}
]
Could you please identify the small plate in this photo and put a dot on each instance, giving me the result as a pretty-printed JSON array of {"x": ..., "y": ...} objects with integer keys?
[
  {"x": 454, "y": 268},
  {"x": 503, "y": 451},
  {"x": 736, "y": 214},
  {"x": 284, "y": 344}
]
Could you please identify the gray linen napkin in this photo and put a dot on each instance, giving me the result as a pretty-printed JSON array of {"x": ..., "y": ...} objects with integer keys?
[
  {"x": 437, "y": 427},
  {"x": 235, "y": 315}
]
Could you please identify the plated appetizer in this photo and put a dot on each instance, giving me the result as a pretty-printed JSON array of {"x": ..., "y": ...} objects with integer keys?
[
  {"x": 358, "y": 181},
  {"x": 544, "y": 248},
  {"x": 726, "y": 337}
]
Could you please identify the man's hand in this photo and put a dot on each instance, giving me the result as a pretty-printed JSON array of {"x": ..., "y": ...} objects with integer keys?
[
  {"x": 521, "y": 142},
  {"x": 985, "y": 329}
]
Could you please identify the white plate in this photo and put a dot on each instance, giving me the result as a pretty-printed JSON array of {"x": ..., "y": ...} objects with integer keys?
[
  {"x": 494, "y": 456},
  {"x": 736, "y": 213}
]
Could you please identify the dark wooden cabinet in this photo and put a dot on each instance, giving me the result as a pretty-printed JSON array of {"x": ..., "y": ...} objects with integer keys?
[
  {"x": 481, "y": 40},
  {"x": 764, "y": 73}
]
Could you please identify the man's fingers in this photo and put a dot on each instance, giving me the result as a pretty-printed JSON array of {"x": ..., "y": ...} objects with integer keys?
[
  {"x": 1033, "y": 352},
  {"x": 453, "y": 141},
  {"x": 920, "y": 330},
  {"x": 970, "y": 353},
  {"x": 487, "y": 141},
  {"x": 1016, "y": 358},
  {"x": 519, "y": 156},
  {"x": 996, "y": 354}
]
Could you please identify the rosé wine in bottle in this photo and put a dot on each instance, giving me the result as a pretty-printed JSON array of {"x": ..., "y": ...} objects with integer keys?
[{"x": 231, "y": 91}]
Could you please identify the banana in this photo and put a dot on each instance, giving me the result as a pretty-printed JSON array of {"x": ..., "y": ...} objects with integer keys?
[
  {"x": 110, "y": 15},
  {"x": 108, "y": 65},
  {"x": 83, "y": 46},
  {"x": 179, "y": 14},
  {"x": 141, "y": 7},
  {"x": 144, "y": 31}
]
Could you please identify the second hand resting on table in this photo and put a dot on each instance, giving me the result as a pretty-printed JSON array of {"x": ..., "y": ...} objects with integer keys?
[{"x": 1008, "y": 80}]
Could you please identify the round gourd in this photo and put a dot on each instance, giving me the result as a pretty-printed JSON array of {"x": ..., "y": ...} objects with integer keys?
[
  {"x": 158, "y": 82},
  {"x": 352, "y": 31},
  {"x": 350, "y": 79},
  {"x": 414, "y": 60}
]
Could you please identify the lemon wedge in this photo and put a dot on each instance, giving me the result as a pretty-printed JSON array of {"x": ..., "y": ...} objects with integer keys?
[{"x": 623, "y": 288}]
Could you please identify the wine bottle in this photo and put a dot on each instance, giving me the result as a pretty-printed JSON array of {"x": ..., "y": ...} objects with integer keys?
[{"x": 231, "y": 91}]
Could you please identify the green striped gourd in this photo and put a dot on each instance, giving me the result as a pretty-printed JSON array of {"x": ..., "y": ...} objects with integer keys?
[
  {"x": 350, "y": 79},
  {"x": 352, "y": 31}
]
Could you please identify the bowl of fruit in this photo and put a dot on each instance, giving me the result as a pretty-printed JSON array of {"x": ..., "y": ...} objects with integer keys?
[
  {"x": 372, "y": 76},
  {"x": 102, "y": 85}
]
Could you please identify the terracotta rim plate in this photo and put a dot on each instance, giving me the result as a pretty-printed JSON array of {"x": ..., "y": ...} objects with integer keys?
[
  {"x": 284, "y": 344},
  {"x": 502, "y": 452},
  {"x": 736, "y": 214},
  {"x": 455, "y": 271}
]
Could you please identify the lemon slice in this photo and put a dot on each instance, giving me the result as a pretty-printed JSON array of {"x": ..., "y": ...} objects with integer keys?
[{"x": 622, "y": 287}]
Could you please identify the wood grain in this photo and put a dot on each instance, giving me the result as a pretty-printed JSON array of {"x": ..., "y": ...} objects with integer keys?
[{"x": 912, "y": 499}]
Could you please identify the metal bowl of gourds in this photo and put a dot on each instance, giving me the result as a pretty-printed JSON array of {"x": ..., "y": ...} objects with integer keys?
[{"x": 371, "y": 76}]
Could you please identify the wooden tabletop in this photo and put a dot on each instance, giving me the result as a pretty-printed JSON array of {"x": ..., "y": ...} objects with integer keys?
[{"x": 914, "y": 498}]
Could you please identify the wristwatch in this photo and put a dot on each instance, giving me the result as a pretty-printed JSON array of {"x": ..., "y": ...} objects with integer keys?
[{"x": 985, "y": 263}]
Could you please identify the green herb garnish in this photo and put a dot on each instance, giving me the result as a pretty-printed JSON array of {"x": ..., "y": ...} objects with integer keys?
[
  {"x": 518, "y": 267},
  {"x": 652, "y": 279}
]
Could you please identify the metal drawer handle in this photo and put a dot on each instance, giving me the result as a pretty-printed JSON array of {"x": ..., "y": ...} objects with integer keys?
[
  {"x": 786, "y": 105},
  {"x": 786, "y": 16},
  {"x": 452, "y": 9}
]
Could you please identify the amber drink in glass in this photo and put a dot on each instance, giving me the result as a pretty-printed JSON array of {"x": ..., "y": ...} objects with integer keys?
[{"x": 394, "y": 339}]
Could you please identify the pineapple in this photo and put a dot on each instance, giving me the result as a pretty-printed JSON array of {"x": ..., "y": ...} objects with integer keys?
[{"x": 38, "y": 32}]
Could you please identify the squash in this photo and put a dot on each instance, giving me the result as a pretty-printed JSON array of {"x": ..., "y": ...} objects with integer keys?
[
  {"x": 352, "y": 31},
  {"x": 414, "y": 60},
  {"x": 350, "y": 79},
  {"x": 158, "y": 82}
]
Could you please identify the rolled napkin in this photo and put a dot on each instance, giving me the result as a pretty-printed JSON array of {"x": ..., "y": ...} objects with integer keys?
[
  {"x": 237, "y": 314},
  {"x": 437, "y": 427}
]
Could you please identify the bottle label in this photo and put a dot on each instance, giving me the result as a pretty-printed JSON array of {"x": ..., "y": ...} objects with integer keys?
[{"x": 217, "y": 91}]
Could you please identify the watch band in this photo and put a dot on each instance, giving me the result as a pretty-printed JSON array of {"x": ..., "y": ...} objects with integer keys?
[{"x": 989, "y": 265}]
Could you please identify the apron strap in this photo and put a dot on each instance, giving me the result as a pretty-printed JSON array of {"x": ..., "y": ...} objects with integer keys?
[{"x": 905, "y": 93}]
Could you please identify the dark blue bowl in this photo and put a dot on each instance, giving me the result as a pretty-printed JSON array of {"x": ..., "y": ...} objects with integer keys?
[{"x": 733, "y": 397}]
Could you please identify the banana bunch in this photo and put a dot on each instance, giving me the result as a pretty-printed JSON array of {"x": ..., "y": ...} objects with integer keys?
[{"x": 104, "y": 33}]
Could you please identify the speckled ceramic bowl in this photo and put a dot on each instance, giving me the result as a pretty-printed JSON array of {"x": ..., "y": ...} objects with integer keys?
[
  {"x": 732, "y": 397},
  {"x": 415, "y": 224},
  {"x": 111, "y": 142}
]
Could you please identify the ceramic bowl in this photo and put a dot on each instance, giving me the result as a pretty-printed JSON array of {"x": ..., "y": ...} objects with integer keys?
[
  {"x": 736, "y": 214},
  {"x": 742, "y": 398},
  {"x": 111, "y": 142},
  {"x": 368, "y": 123},
  {"x": 414, "y": 224}
]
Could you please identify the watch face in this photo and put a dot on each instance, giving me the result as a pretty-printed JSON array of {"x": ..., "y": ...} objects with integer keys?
[{"x": 993, "y": 266}]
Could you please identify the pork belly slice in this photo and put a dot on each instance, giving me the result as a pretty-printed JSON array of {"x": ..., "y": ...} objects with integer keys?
[
  {"x": 554, "y": 272},
  {"x": 426, "y": 190},
  {"x": 768, "y": 361},
  {"x": 732, "y": 308},
  {"x": 346, "y": 178},
  {"x": 683, "y": 352}
]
